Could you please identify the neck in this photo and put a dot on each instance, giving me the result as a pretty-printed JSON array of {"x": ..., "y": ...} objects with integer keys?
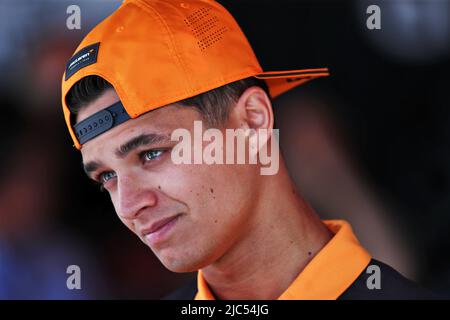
[{"x": 283, "y": 236}]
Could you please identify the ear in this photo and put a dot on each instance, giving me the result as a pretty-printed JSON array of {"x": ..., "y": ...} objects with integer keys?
[{"x": 253, "y": 110}]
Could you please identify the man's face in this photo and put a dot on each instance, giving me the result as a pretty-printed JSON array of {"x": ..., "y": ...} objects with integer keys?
[{"x": 208, "y": 206}]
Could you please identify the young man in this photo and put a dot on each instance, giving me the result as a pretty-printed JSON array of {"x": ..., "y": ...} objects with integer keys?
[{"x": 154, "y": 67}]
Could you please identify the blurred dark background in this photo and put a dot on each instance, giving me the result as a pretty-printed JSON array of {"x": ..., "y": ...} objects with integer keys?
[{"x": 369, "y": 144}]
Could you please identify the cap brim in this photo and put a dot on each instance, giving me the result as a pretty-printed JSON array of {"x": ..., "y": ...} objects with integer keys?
[{"x": 282, "y": 81}]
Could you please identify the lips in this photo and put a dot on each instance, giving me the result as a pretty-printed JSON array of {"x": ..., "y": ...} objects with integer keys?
[
  {"x": 158, "y": 225},
  {"x": 160, "y": 232}
]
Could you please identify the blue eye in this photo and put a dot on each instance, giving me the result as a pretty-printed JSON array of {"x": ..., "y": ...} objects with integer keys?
[
  {"x": 106, "y": 176},
  {"x": 152, "y": 154}
]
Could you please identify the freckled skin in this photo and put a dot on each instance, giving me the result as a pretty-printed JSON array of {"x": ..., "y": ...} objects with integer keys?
[
  {"x": 248, "y": 233},
  {"x": 142, "y": 194}
]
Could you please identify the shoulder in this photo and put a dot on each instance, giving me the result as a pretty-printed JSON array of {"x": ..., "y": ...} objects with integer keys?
[
  {"x": 186, "y": 292},
  {"x": 391, "y": 285}
]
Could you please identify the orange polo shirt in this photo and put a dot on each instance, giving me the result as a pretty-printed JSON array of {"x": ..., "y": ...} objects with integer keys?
[{"x": 332, "y": 270}]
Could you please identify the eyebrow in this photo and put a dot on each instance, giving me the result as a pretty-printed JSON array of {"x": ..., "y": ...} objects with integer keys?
[
  {"x": 91, "y": 167},
  {"x": 144, "y": 139}
]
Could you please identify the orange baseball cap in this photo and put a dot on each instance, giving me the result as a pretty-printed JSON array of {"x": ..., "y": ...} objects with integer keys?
[{"x": 157, "y": 52}]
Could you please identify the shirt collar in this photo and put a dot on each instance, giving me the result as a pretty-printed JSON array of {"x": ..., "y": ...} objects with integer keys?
[{"x": 332, "y": 270}]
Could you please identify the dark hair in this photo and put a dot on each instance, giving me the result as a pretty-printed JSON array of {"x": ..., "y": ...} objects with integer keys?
[
  {"x": 86, "y": 91},
  {"x": 214, "y": 105}
]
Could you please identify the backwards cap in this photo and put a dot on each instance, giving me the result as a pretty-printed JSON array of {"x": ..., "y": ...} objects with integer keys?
[{"x": 157, "y": 52}]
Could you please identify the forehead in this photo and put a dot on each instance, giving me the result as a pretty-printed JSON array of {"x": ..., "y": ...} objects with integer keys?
[{"x": 161, "y": 121}]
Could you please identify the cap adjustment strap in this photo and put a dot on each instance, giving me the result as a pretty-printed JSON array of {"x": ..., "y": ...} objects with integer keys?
[{"x": 100, "y": 122}]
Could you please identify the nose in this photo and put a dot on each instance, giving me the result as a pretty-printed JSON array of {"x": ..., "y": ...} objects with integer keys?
[{"x": 133, "y": 195}]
